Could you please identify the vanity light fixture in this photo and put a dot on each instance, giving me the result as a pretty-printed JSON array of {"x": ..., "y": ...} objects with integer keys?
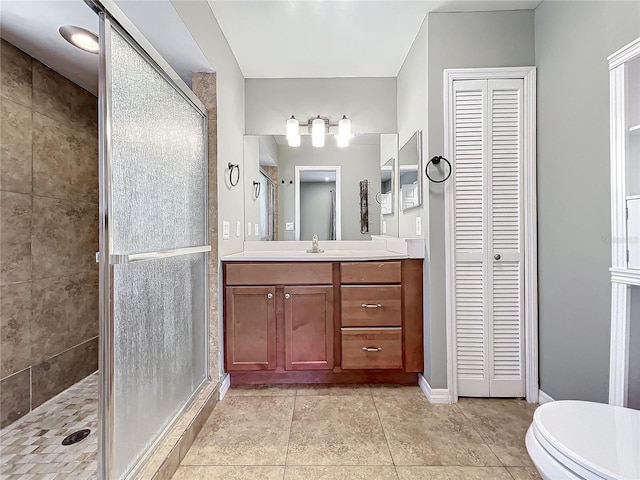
[
  {"x": 80, "y": 37},
  {"x": 318, "y": 128}
]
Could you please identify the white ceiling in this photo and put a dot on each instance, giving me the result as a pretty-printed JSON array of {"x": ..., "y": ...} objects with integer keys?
[
  {"x": 270, "y": 38},
  {"x": 316, "y": 39},
  {"x": 32, "y": 26}
]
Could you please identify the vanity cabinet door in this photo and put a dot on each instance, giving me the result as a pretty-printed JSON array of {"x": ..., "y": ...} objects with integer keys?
[
  {"x": 308, "y": 319},
  {"x": 250, "y": 328}
]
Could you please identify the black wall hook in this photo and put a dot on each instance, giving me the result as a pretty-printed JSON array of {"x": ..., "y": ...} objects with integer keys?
[
  {"x": 231, "y": 168},
  {"x": 436, "y": 160}
]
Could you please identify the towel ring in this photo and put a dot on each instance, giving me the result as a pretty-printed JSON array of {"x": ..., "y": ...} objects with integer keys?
[
  {"x": 378, "y": 196},
  {"x": 436, "y": 160},
  {"x": 231, "y": 168}
]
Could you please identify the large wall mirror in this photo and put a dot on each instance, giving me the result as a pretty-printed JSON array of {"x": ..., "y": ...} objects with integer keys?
[
  {"x": 410, "y": 166},
  {"x": 335, "y": 192}
]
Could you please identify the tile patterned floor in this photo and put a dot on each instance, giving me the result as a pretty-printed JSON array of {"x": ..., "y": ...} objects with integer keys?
[
  {"x": 31, "y": 449},
  {"x": 358, "y": 433}
]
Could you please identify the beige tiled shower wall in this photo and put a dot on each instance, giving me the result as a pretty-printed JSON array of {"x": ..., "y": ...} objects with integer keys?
[
  {"x": 204, "y": 86},
  {"x": 48, "y": 233}
]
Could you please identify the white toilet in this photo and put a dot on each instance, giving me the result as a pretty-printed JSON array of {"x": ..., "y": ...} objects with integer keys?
[{"x": 571, "y": 440}]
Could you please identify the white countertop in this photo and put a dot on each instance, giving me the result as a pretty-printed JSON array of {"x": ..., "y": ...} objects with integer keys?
[
  {"x": 303, "y": 256},
  {"x": 391, "y": 249}
]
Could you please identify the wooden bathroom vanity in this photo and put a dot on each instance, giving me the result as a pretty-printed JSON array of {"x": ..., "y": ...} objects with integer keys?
[{"x": 323, "y": 321}]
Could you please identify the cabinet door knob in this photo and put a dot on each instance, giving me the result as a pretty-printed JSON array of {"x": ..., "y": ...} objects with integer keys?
[
  {"x": 269, "y": 296},
  {"x": 287, "y": 296},
  {"x": 372, "y": 349},
  {"x": 497, "y": 256},
  {"x": 371, "y": 305}
]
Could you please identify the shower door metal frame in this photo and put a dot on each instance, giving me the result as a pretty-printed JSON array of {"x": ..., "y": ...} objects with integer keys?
[{"x": 111, "y": 17}]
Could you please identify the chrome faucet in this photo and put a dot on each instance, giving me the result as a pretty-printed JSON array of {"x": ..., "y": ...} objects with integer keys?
[{"x": 314, "y": 245}]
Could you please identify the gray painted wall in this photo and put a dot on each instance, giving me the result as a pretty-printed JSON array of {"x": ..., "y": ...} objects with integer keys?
[
  {"x": 413, "y": 115},
  {"x": 482, "y": 39},
  {"x": 448, "y": 40},
  {"x": 315, "y": 207},
  {"x": 573, "y": 40},
  {"x": 370, "y": 103}
]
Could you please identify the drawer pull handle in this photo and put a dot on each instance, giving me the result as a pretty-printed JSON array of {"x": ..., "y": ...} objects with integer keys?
[
  {"x": 269, "y": 296},
  {"x": 372, "y": 349},
  {"x": 287, "y": 296},
  {"x": 371, "y": 305}
]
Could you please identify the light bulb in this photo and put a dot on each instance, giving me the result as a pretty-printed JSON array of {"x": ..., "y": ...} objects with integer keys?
[
  {"x": 344, "y": 127},
  {"x": 292, "y": 128},
  {"x": 317, "y": 132},
  {"x": 342, "y": 141}
]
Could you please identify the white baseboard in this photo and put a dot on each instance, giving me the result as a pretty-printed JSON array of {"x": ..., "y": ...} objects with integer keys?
[
  {"x": 434, "y": 395},
  {"x": 224, "y": 385},
  {"x": 544, "y": 398}
]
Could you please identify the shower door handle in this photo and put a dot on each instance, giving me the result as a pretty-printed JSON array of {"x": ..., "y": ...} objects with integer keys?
[{"x": 125, "y": 258}]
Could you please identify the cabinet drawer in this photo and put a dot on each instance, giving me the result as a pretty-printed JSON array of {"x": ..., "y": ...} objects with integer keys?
[
  {"x": 371, "y": 306},
  {"x": 371, "y": 348},
  {"x": 370, "y": 272},
  {"x": 279, "y": 273}
]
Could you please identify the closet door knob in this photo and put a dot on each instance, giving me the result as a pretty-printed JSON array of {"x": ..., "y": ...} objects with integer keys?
[
  {"x": 287, "y": 296},
  {"x": 497, "y": 256},
  {"x": 269, "y": 296}
]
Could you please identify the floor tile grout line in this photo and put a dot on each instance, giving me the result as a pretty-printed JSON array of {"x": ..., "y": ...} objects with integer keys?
[
  {"x": 384, "y": 433},
  {"x": 509, "y": 472},
  {"x": 286, "y": 456}
]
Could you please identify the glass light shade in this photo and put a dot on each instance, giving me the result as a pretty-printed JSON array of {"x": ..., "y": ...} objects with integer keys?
[
  {"x": 344, "y": 127},
  {"x": 342, "y": 141},
  {"x": 317, "y": 132},
  {"x": 292, "y": 128},
  {"x": 294, "y": 141},
  {"x": 80, "y": 37}
]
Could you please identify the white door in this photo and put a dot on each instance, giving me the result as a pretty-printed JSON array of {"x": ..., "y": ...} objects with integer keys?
[{"x": 488, "y": 240}]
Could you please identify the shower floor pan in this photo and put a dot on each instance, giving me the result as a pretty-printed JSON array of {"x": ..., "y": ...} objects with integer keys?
[{"x": 31, "y": 448}]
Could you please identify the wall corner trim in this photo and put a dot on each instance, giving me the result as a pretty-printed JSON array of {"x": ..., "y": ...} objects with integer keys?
[
  {"x": 544, "y": 398},
  {"x": 224, "y": 385},
  {"x": 434, "y": 395}
]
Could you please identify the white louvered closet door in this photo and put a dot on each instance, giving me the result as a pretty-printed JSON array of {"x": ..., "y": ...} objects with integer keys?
[{"x": 488, "y": 157}]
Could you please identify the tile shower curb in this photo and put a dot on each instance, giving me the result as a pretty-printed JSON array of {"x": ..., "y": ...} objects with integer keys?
[{"x": 164, "y": 460}]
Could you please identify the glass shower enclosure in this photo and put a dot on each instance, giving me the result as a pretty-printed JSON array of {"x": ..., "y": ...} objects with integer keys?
[{"x": 153, "y": 246}]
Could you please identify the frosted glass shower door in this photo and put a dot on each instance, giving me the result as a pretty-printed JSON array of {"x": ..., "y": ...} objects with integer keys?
[{"x": 153, "y": 250}]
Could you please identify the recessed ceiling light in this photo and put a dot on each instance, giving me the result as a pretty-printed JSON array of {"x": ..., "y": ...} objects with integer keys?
[{"x": 80, "y": 37}]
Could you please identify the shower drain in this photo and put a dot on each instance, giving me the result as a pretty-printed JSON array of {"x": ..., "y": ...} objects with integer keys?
[{"x": 76, "y": 437}]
